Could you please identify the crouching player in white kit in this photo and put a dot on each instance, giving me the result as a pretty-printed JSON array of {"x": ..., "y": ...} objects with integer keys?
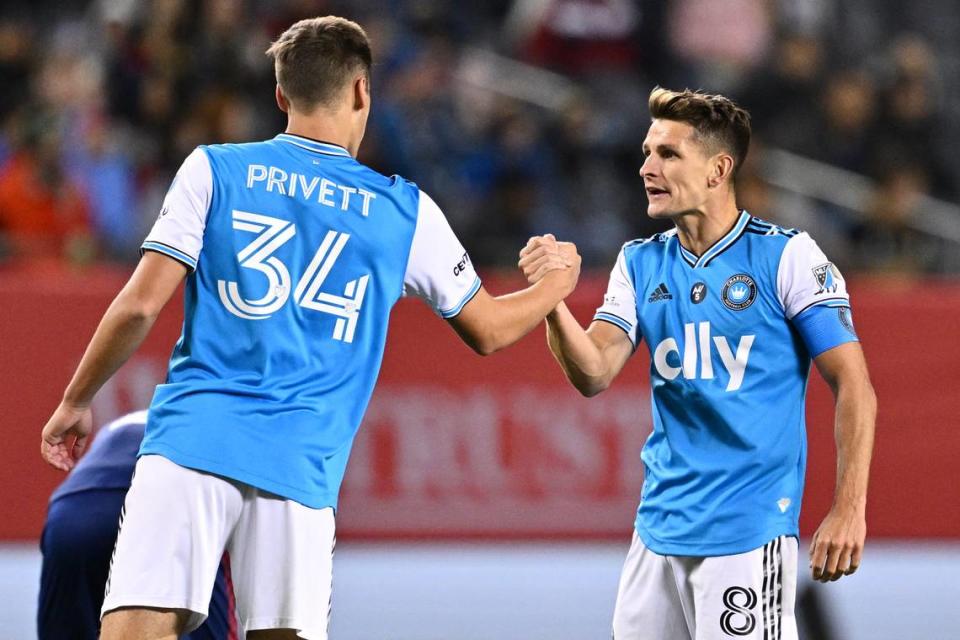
[
  {"x": 732, "y": 309},
  {"x": 294, "y": 253}
]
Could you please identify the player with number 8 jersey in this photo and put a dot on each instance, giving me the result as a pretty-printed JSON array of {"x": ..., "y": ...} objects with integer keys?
[{"x": 733, "y": 311}]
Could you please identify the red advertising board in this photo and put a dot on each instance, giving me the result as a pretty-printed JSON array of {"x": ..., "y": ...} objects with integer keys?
[{"x": 459, "y": 446}]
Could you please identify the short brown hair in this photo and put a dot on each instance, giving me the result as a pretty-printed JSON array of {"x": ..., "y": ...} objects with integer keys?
[
  {"x": 718, "y": 122},
  {"x": 315, "y": 57}
]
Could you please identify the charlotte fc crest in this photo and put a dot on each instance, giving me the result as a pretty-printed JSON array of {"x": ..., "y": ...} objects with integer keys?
[
  {"x": 827, "y": 277},
  {"x": 739, "y": 292}
]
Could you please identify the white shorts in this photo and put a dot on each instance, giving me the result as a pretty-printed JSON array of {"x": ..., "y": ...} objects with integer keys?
[
  {"x": 175, "y": 526},
  {"x": 749, "y": 595}
]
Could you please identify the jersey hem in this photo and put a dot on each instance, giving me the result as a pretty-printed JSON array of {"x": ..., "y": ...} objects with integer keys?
[
  {"x": 699, "y": 549},
  {"x": 313, "y": 501}
]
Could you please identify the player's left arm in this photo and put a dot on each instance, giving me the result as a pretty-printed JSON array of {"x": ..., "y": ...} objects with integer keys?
[
  {"x": 123, "y": 328},
  {"x": 837, "y": 545},
  {"x": 815, "y": 299}
]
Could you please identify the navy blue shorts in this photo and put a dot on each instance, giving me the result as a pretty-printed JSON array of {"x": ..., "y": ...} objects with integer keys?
[{"x": 77, "y": 543}]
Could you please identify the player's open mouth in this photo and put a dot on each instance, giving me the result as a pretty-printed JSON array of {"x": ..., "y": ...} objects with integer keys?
[{"x": 654, "y": 192}]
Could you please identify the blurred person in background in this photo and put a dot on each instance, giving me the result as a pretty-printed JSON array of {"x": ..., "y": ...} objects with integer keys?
[
  {"x": 846, "y": 121},
  {"x": 79, "y": 535},
  {"x": 247, "y": 441},
  {"x": 44, "y": 215},
  {"x": 719, "y": 41},
  {"x": 176, "y": 74},
  {"x": 884, "y": 242},
  {"x": 908, "y": 130},
  {"x": 579, "y": 37},
  {"x": 783, "y": 96},
  {"x": 715, "y": 543}
]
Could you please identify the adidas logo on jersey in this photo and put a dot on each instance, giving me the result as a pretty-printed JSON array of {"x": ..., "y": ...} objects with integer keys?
[
  {"x": 660, "y": 293},
  {"x": 698, "y": 346}
]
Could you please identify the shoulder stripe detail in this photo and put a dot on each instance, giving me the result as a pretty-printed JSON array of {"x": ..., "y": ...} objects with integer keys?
[
  {"x": 453, "y": 311},
  {"x": 173, "y": 252},
  {"x": 768, "y": 228},
  {"x": 659, "y": 237}
]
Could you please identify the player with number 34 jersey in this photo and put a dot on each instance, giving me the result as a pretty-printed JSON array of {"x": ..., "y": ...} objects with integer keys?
[
  {"x": 293, "y": 253},
  {"x": 294, "y": 237}
]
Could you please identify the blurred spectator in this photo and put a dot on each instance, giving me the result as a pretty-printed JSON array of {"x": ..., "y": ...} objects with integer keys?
[
  {"x": 884, "y": 241},
  {"x": 577, "y": 36},
  {"x": 842, "y": 136},
  {"x": 14, "y": 65},
  {"x": 97, "y": 162},
  {"x": 43, "y": 214},
  {"x": 127, "y": 89},
  {"x": 720, "y": 40},
  {"x": 908, "y": 127},
  {"x": 782, "y": 98}
]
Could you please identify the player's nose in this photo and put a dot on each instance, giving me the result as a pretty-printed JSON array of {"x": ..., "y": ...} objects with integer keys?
[{"x": 648, "y": 168}]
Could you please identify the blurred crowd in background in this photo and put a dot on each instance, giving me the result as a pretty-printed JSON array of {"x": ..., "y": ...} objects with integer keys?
[{"x": 519, "y": 117}]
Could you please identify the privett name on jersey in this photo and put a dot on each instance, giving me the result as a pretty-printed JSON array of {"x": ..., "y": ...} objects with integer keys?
[
  {"x": 297, "y": 185},
  {"x": 697, "y": 348}
]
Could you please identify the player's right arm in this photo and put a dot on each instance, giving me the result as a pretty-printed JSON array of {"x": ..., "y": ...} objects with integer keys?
[
  {"x": 123, "y": 328},
  {"x": 171, "y": 250},
  {"x": 440, "y": 272},
  {"x": 488, "y": 324},
  {"x": 592, "y": 358}
]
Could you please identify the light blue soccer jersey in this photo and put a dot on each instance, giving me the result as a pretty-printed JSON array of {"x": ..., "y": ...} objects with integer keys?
[
  {"x": 297, "y": 253},
  {"x": 731, "y": 335}
]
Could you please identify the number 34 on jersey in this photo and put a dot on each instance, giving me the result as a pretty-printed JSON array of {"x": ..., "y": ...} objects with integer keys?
[{"x": 271, "y": 234}]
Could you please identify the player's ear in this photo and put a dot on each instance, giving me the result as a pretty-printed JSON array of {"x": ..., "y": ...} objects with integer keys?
[
  {"x": 721, "y": 169},
  {"x": 361, "y": 92},
  {"x": 282, "y": 101}
]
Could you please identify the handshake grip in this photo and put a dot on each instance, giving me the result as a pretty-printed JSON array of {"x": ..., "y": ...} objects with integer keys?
[{"x": 546, "y": 257}]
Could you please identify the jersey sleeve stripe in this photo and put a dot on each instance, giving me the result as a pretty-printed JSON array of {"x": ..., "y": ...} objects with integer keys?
[
  {"x": 831, "y": 302},
  {"x": 453, "y": 311},
  {"x": 172, "y": 252},
  {"x": 615, "y": 320}
]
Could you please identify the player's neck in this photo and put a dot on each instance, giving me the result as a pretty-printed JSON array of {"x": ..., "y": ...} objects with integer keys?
[
  {"x": 700, "y": 230},
  {"x": 322, "y": 129}
]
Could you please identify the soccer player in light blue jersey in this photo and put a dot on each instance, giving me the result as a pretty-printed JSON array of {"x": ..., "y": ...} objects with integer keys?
[
  {"x": 732, "y": 310},
  {"x": 294, "y": 254}
]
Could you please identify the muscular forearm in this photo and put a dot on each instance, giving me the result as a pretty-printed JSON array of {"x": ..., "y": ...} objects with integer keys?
[
  {"x": 122, "y": 329},
  {"x": 578, "y": 356},
  {"x": 517, "y": 314},
  {"x": 856, "y": 410}
]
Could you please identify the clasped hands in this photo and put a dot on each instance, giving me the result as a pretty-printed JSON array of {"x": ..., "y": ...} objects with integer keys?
[{"x": 545, "y": 255}]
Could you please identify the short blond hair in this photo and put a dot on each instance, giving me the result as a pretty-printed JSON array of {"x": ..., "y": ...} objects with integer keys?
[
  {"x": 718, "y": 122},
  {"x": 315, "y": 57}
]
